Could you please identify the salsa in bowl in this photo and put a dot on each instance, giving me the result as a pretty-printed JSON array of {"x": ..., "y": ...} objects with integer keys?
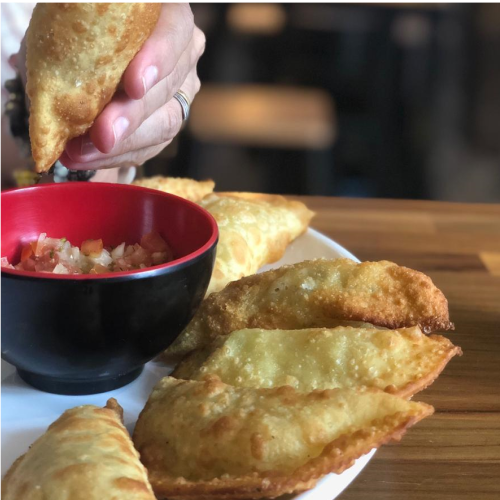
[
  {"x": 59, "y": 256},
  {"x": 82, "y": 333}
]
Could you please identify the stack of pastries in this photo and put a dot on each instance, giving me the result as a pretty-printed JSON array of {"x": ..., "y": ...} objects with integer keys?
[{"x": 282, "y": 377}]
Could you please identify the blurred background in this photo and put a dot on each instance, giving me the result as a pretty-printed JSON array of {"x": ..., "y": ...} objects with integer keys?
[{"x": 378, "y": 100}]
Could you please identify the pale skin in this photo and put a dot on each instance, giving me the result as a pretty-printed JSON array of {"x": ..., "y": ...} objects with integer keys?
[{"x": 143, "y": 117}]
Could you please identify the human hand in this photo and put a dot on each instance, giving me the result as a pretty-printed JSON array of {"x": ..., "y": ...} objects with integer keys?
[{"x": 143, "y": 117}]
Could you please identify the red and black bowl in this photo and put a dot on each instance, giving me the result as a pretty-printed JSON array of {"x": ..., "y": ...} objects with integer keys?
[{"x": 84, "y": 334}]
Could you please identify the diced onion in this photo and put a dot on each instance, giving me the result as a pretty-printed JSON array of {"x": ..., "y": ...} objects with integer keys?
[{"x": 118, "y": 251}]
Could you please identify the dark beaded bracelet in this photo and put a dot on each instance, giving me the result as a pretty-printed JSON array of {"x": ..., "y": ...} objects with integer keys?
[
  {"x": 17, "y": 113},
  {"x": 62, "y": 174},
  {"x": 15, "y": 109}
]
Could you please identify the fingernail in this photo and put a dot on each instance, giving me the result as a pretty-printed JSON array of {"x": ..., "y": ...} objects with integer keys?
[
  {"x": 120, "y": 125},
  {"x": 87, "y": 148},
  {"x": 149, "y": 77}
]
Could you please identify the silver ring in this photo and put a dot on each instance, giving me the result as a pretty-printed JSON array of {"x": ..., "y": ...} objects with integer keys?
[{"x": 183, "y": 100}]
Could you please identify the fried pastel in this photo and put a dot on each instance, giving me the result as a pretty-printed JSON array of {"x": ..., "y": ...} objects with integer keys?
[
  {"x": 193, "y": 361},
  {"x": 401, "y": 362},
  {"x": 211, "y": 440},
  {"x": 316, "y": 294},
  {"x": 85, "y": 454},
  {"x": 254, "y": 229},
  {"x": 76, "y": 56},
  {"x": 185, "y": 188}
]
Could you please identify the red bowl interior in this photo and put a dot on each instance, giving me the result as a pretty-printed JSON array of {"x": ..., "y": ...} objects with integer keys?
[{"x": 114, "y": 212}]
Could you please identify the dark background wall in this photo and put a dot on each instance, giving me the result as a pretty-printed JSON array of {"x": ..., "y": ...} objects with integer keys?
[{"x": 391, "y": 100}]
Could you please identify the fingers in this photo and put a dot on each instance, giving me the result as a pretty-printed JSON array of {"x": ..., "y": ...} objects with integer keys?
[
  {"x": 162, "y": 50},
  {"x": 160, "y": 128},
  {"x": 122, "y": 116},
  {"x": 144, "y": 115},
  {"x": 130, "y": 159}
]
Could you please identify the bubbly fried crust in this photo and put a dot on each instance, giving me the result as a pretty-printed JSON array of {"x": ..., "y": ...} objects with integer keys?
[
  {"x": 185, "y": 188},
  {"x": 254, "y": 230},
  {"x": 76, "y": 55},
  {"x": 189, "y": 367},
  {"x": 86, "y": 454},
  {"x": 401, "y": 362},
  {"x": 192, "y": 362},
  {"x": 318, "y": 293},
  {"x": 210, "y": 440}
]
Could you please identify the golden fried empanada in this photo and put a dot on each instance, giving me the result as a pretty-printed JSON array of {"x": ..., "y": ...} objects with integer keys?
[
  {"x": 195, "y": 359},
  {"x": 86, "y": 454},
  {"x": 211, "y": 440},
  {"x": 401, "y": 362},
  {"x": 76, "y": 56},
  {"x": 185, "y": 188},
  {"x": 318, "y": 293},
  {"x": 254, "y": 229}
]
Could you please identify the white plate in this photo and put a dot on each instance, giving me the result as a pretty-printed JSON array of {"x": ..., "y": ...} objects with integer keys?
[{"x": 27, "y": 412}]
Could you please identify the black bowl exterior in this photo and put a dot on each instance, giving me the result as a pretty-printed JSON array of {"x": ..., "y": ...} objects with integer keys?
[{"x": 88, "y": 336}]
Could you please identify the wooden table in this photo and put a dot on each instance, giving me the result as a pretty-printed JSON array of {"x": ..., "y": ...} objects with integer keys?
[{"x": 455, "y": 454}]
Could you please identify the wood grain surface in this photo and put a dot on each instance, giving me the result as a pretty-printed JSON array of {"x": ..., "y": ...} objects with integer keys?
[{"x": 455, "y": 454}]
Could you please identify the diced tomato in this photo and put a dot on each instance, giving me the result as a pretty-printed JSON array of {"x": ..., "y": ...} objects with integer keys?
[
  {"x": 99, "y": 269},
  {"x": 92, "y": 248},
  {"x": 27, "y": 252},
  {"x": 154, "y": 242},
  {"x": 29, "y": 265}
]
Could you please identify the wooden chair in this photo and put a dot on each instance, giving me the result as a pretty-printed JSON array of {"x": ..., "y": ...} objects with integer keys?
[
  {"x": 276, "y": 117},
  {"x": 256, "y": 18}
]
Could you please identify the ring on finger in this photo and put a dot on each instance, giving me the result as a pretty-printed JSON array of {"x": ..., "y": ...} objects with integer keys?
[{"x": 183, "y": 100}]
